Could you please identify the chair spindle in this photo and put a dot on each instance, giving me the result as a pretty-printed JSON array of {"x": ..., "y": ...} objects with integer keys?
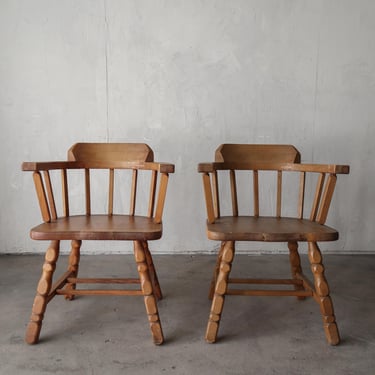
[
  {"x": 256, "y": 192},
  {"x": 38, "y": 181},
  {"x": 65, "y": 194},
  {"x": 133, "y": 192},
  {"x": 279, "y": 193},
  {"x": 151, "y": 203},
  {"x": 88, "y": 191},
  {"x": 111, "y": 190},
  {"x": 318, "y": 195},
  {"x": 51, "y": 198},
  {"x": 233, "y": 189},
  {"x": 216, "y": 201},
  {"x": 301, "y": 200},
  {"x": 326, "y": 200}
]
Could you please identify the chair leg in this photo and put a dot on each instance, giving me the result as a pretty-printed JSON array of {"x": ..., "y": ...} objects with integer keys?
[
  {"x": 152, "y": 270},
  {"x": 74, "y": 258},
  {"x": 216, "y": 272},
  {"x": 42, "y": 292},
  {"x": 295, "y": 264},
  {"x": 322, "y": 295},
  {"x": 148, "y": 293},
  {"x": 220, "y": 291}
]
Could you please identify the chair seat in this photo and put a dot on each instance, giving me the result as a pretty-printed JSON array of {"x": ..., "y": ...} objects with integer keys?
[
  {"x": 268, "y": 229},
  {"x": 99, "y": 227}
]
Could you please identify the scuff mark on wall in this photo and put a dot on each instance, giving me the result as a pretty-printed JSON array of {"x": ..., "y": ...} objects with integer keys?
[
  {"x": 106, "y": 47},
  {"x": 316, "y": 88}
]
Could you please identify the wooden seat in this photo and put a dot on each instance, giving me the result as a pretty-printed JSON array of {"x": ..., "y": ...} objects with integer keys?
[
  {"x": 281, "y": 190},
  {"x": 87, "y": 186}
]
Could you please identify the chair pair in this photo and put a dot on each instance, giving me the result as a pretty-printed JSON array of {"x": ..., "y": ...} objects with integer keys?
[{"x": 143, "y": 222}]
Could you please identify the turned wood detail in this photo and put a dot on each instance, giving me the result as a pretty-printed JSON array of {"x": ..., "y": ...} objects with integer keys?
[
  {"x": 74, "y": 258},
  {"x": 153, "y": 275},
  {"x": 221, "y": 286},
  {"x": 216, "y": 271},
  {"x": 148, "y": 292},
  {"x": 322, "y": 294},
  {"x": 42, "y": 292},
  {"x": 295, "y": 265}
]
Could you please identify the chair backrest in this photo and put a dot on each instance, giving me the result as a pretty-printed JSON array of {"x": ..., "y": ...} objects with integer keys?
[
  {"x": 231, "y": 152},
  {"x": 110, "y": 152},
  {"x": 104, "y": 178},
  {"x": 279, "y": 181}
]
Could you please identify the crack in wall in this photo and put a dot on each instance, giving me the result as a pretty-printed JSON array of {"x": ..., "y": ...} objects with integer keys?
[
  {"x": 106, "y": 68},
  {"x": 315, "y": 94}
]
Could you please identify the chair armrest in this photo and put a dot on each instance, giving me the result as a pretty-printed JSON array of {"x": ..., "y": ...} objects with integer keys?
[
  {"x": 48, "y": 165},
  {"x": 51, "y": 165},
  {"x": 323, "y": 193},
  {"x": 318, "y": 168}
]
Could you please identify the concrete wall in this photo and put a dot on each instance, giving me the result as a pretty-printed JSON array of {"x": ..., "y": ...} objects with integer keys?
[{"x": 185, "y": 76}]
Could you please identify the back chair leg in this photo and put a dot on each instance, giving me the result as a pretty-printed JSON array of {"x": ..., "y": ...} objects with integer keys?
[
  {"x": 216, "y": 272},
  {"x": 42, "y": 293},
  {"x": 295, "y": 264},
  {"x": 221, "y": 287},
  {"x": 152, "y": 271},
  {"x": 74, "y": 258},
  {"x": 322, "y": 294},
  {"x": 148, "y": 292}
]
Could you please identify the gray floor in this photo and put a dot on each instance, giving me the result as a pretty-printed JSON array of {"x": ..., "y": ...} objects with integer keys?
[{"x": 258, "y": 335}]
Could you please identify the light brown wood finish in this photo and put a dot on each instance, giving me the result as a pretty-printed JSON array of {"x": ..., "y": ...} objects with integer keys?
[
  {"x": 283, "y": 161},
  {"x": 141, "y": 222}
]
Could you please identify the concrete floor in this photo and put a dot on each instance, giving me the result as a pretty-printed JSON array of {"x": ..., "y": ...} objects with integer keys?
[{"x": 258, "y": 335}]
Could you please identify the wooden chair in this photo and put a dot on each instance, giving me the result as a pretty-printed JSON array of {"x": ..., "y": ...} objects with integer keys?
[
  {"x": 77, "y": 221},
  {"x": 257, "y": 162}
]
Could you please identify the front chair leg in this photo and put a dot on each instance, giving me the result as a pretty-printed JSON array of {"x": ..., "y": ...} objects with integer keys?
[
  {"x": 216, "y": 272},
  {"x": 148, "y": 293},
  {"x": 42, "y": 293},
  {"x": 322, "y": 295},
  {"x": 152, "y": 271},
  {"x": 221, "y": 287}
]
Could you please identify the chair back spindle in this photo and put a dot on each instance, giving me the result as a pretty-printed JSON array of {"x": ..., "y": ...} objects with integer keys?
[
  {"x": 87, "y": 191},
  {"x": 46, "y": 185},
  {"x": 284, "y": 161},
  {"x": 302, "y": 187},
  {"x": 111, "y": 190},
  {"x": 51, "y": 198}
]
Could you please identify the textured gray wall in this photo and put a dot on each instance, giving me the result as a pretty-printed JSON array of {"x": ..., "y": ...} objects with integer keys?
[{"x": 185, "y": 76}]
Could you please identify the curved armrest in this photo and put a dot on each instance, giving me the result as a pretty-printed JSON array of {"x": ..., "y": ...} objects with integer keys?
[
  {"x": 323, "y": 193},
  {"x": 257, "y": 166},
  {"x": 52, "y": 165}
]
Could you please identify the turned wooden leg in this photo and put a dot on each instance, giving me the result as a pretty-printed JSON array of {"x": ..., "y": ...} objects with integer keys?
[
  {"x": 216, "y": 272},
  {"x": 295, "y": 264},
  {"x": 73, "y": 265},
  {"x": 220, "y": 291},
  {"x": 152, "y": 271},
  {"x": 42, "y": 291},
  {"x": 322, "y": 295},
  {"x": 148, "y": 293}
]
